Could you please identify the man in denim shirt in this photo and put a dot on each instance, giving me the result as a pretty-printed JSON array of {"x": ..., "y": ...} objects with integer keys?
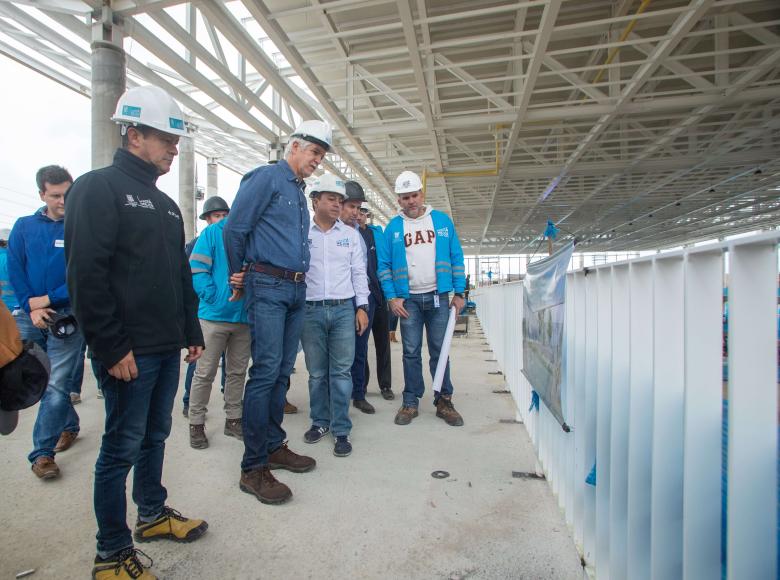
[
  {"x": 266, "y": 237},
  {"x": 36, "y": 268}
]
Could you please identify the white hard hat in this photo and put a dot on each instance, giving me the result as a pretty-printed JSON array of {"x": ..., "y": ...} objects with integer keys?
[
  {"x": 5, "y": 233},
  {"x": 318, "y": 132},
  {"x": 327, "y": 182},
  {"x": 407, "y": 182},
  {"x": 150, "y": 106}
]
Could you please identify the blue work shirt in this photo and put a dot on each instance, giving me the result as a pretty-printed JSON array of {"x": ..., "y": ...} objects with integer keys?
[
  {"x": 36, "y": 260},
  {"x": 269, "y": 220}
]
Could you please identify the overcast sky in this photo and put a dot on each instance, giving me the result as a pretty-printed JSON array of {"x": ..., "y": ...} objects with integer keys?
[{"x": 43, "y": 124}]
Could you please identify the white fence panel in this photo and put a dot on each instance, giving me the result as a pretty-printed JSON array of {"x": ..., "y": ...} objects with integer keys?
[{"x": 644, "y": 396}]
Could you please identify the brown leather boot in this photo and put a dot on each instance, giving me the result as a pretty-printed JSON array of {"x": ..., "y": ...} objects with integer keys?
[
  {"x": 233, "y": 429},
  {"x": 283, "y": 458},
  {"x": 262, "y": 484},
  {"x": 445, "y": 410},
  {"x": 66, "y": 440},
  {"x": 45, "y": 468},
  {"x": 405, "y": 415},
  {"x": 289, "y": 408},
  {"x": 198, "y": 439}
]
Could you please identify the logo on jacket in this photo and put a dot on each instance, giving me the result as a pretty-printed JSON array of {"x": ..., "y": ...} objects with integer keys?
[
  {"x": 136, "y": 201},
  {"x": 443, "y": 232},
  {"x": 344, "y": 243},
  {"x": 174, "y": 214},
  {"x": 420, "y": 237}
]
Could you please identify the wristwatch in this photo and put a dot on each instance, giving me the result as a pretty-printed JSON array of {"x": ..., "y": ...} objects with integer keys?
[{"x": 364, "y": 308}]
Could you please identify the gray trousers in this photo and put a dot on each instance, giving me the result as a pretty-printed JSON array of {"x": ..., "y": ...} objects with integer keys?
[{"x": 234, "y": 339}]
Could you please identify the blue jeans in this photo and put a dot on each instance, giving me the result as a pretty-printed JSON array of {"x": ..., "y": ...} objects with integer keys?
[
  {"x": 55, "y": 412},
  {"x": 77, "y": 378},
  {"x": 138, "y": 421},
  {"x": 359, "y": 375},
  {"x": 275, "y": 309},
  {"x": 329, "y": 348},
  {"x": 422, "y": 312},
  {"x": 188, "y": 380}
]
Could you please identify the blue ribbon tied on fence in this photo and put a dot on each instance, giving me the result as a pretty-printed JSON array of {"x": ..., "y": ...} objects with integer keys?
[
  {"x": 551, "y": 231},
  {"x": 534, "y": 401}
]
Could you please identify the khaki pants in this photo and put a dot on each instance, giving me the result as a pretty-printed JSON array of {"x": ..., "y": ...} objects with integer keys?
[{"x": 234, "y": 339}]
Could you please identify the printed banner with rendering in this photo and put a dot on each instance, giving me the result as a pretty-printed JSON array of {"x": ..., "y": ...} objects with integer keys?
[{"x": 544, "y": 308}]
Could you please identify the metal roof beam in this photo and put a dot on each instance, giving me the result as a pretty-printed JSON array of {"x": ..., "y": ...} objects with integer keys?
[{"x": 543, "y": 35}]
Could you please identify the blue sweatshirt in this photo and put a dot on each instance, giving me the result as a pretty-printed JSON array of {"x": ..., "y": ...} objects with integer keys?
[
  {"x": 6, "y": 290},
  {"x": 210, "y": 276},
  {"x": 36, "y": 260},
  {"x": 393, "y": 269}
]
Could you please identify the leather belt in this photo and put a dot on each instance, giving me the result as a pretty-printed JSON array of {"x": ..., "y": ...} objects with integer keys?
[
  {"x": 279, "y": 272},
  {"x": 335, "y": 302}
]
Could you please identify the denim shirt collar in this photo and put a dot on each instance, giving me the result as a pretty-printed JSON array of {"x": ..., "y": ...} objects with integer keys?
[{"x": 289, "y": 174}]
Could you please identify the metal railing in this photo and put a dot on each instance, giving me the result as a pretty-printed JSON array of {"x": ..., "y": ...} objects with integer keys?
[{"x": 687, "y": 456}]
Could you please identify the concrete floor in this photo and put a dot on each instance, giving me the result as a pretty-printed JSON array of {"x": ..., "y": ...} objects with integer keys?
[{"x": 375, "y": 514}]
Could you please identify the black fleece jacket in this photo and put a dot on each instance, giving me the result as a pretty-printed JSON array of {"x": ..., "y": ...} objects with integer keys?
[{"x": 129, "y": 281}]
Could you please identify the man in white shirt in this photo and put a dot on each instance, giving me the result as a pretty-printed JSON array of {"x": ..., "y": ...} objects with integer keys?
[{"x": 336, "y": 308}]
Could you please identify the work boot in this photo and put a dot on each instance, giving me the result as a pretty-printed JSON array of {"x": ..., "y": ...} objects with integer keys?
[
  {"x": 387, "y": 394},
  {"x": 262, "y": 484},
  {"x": 405, "y": 415},
  {"x": 283, "y": 458},
  {"x": 233, "y": 429},
  {"x": 392, "y": 336},
  {"x": 45, "y": 468},
  {"x": 123, "y": 564},
  {"x": 171, "y": 525},
  {"x": 65, "y": 441},
  {"x": 364, "y": 406},
  {"x": 75, "y": 398},
  {"x": 445, "y": 410},
  {"x": 289, "y": 408},
  {"x": 198, "y": 439}
]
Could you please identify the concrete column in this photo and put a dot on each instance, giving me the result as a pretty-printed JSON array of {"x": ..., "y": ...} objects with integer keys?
[
  {"x": 187, "y": 185},
  {"x": 108, "y": 84},
  {"x": 211, "y": 177}
]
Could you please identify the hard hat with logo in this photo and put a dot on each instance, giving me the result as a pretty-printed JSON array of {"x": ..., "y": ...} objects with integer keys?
[
  {"x": 150, "y": 106},
  {"x": 5, "y": 233},
  {"x": 364, "y": 208},
  {"x": 327, "y": 182},
  {"x": 215, "y": 203},
  {"x": 407, "y": 182},
  {"x": 354, "y": 191},
  {"x": 314, "y": 131}
]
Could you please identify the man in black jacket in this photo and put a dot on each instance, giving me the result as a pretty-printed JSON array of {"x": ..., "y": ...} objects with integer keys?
[{"x": 131, "y": 288}]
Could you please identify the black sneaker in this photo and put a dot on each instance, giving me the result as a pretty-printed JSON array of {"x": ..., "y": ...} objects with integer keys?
[
  {"x": 316, "y": 433},
  {"x": 343, "y": 447},
  {"x": 387, "y": 394},
  {"x": 364, "y": 406}
]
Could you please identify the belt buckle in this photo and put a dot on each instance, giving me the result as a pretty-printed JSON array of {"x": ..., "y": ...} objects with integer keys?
[{"x": 298, "y": 277}]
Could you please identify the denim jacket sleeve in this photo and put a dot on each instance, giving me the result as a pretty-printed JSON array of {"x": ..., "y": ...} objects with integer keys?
[{"x": 254, "y": 195}]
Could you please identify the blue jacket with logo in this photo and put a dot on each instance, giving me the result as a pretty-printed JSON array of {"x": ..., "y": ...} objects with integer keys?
[
  {"x": 6, "y": 290},
  {"x": 36, "y": 260},
  {"x": 394, "y": 272},
  {"x": 210, "y": 274}
]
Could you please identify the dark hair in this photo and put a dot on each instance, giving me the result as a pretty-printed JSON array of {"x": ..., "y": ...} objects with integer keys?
[
  {"x": 52, "y": 174},
  {"x": 144, "y": 130}
]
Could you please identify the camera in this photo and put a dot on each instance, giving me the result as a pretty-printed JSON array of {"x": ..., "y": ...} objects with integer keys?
[{"x": 63, "y": 325}]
